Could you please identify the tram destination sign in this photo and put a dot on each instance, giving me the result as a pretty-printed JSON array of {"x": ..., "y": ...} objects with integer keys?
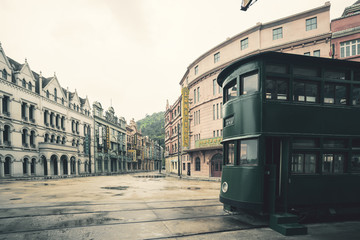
[{"x": 229, "y": 121}]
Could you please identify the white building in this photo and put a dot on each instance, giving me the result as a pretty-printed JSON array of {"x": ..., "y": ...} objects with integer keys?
[{"x": 44, "y": 128}]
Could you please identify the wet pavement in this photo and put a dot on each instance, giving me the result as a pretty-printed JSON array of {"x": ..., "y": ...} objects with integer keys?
[{"x": 136, "y": 206}]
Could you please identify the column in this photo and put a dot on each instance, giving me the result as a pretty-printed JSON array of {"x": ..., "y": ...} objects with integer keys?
[
  {"x": 117, "y": 164},
  {"x": 48, "y": 117},
  {"x": 58, "y": 166},
  {"x": 68, "y": 167},
  {"x": 103, "y": 164},
  {"x": 28, "y": 167},
  {"x": 2, "y": 169},
  {"x": 126, "y": 164},
  {"x": 76, "y": 167},
  {"x": 48, "y": 167},
  {"x": 26, "y": 113},
  {"x": 1, "y": 104},
  {"x": 1, "y": 134}
]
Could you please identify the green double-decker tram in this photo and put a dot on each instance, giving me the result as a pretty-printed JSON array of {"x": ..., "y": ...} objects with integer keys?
[{"x": 291, "y": 136}]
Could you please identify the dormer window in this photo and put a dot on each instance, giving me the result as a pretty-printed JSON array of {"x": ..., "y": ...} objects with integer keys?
[
  {"x": 47, "y": 94},
  {"x": 4, "y": 74},
  {"x": 24, "y": 83},
  {"x": 62, "y": 101},
  {"x": 55, "y": 94},
  {"x": 30, "y": 86}
]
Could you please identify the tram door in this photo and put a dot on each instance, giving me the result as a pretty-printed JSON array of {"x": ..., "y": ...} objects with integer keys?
[{"x": 273, "y": 162}]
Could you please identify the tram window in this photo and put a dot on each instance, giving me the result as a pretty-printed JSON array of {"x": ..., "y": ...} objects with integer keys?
[
  {"x": 248, "y": 153},
  {"x": 356, "y": 143},
  {"x": 334, "y": 143},
  {"x": 276, "y": 89},
  {"x": 276, "y": 68},
  {"x": 303, "y": 163},
  {"x": 306, "y": 71},
  {"x": 250, "y": 84},
  {"x": 339, "y": 75},
  {"x": 357, "y": 74},
  {"x": 355, "y": 163},
  {"x": 335, "y": 94},
  {"x": 333, "y": 163},
  {"x": 231, "y": 90},
  {"x": 305, "y": 143},
  {"x": 356, "y": 96},
  {"x": 230, "y": 153},
  {"x": 306, "y": 92}
]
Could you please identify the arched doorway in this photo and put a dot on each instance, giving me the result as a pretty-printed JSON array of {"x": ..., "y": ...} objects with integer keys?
[
  {"x": 33, "y": 162},
  {"x": 7, "y": 166},
  {"x": 216, "y": 165},
  {"x": 53, "y": 164},
  {"x": 64, "y": 164},
  {"x": 72, "y": 165},
  {"x": 45, "y": 165},
  {"x": 25, "y": 166}
]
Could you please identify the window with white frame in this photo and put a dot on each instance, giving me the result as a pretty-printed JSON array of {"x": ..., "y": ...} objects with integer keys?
[
  {"x": 311, "y": 23},
  {"x": 350, "y": 48},
  {"x": 277, "y": 33},
  {"x": 244, "y": 43},
  {"x": 216, "y": 57}
]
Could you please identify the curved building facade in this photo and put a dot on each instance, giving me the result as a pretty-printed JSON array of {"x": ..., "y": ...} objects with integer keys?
[{"x": 305, "y": 33}]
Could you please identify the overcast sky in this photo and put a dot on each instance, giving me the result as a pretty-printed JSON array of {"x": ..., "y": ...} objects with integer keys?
[{"x": 132, "y": 53}]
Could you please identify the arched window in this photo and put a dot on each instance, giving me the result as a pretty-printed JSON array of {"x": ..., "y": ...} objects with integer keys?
[
  {"x": 62, "y": 101},
  {"x": 30, "y": 86},
  {"x": 4, "y": 74},
  {"x": 24, "y": 83},
  {"x": 24, "y": 136},
  {"x": 6, "y": 135},
  {"x": 55, "y": 94},
  {"x": 47, "y": 94},
  {"x": 7, "y": 165},
  {"x": 58, "y": 139},
  {"x": 52, "y": 138},
  {"x": 46, "y": 138},
  {"x": 32, "y": 139},
  {"x": 63, "y": 141},
  {"x": 197, "y": 164},
  {"x": 73, "y": 142},
  {"x": 63, "y": 123}
]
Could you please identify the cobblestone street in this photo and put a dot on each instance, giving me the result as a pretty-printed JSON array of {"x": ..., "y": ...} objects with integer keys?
[{"x": 134, "y": 206}]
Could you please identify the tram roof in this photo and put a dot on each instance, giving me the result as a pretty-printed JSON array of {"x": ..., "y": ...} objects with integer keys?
[{"x": 284, "y": 56}]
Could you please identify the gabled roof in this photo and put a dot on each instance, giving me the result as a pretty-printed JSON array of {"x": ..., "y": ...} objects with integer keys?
[{"x": 15, "y": 65}]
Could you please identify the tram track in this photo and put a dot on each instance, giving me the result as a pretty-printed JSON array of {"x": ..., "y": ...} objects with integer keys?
[
  {"x": 108, "y": 211},
  {"x": 170, "y": 222}
]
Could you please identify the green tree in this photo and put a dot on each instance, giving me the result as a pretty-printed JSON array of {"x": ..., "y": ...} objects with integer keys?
[{"x": 153, "y": 126}]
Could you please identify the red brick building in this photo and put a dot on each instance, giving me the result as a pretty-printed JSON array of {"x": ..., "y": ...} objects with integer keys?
[{"x": 345, "y": 42}]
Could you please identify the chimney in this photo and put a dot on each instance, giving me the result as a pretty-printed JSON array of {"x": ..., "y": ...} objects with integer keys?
[{"x": 40, "y": 83}]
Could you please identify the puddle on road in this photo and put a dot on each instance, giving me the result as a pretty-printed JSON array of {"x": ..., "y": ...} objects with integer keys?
[
  {"x": 15, "y": 199},
  {"x": 117, "y": 188},
  {"x": 150, "y": 176},
  {"x": 178, "y": 188},
  {"x": 118, "y": 195}
]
